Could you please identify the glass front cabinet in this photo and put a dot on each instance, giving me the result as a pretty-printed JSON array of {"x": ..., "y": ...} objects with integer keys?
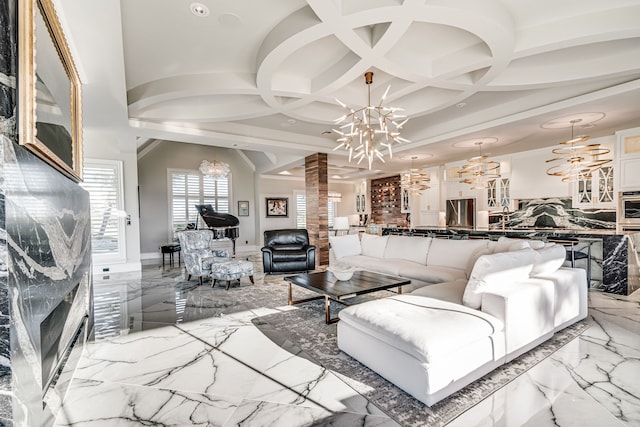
[
  {"x": 596, "y": 190},
  {"x": 498, "y": 194}
]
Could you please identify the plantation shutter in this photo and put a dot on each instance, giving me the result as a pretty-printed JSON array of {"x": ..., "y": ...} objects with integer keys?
[
  {"x": 301, "y": 211},
  {"x": 103, "y": 184}
]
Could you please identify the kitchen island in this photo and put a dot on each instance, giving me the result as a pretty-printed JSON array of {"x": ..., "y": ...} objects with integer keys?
[{"x": 611, "y": 259}]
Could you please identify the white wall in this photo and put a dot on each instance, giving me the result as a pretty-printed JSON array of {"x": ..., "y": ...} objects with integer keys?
[
  {"x": 529, "y": 179},
  {"x": 103, "y": 146}
]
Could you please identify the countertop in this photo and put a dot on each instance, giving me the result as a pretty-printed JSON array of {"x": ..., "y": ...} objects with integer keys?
[{"x": 521, "y": 232}]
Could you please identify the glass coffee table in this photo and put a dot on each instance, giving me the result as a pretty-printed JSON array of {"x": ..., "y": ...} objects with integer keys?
[{"x": 332, "y": 289}]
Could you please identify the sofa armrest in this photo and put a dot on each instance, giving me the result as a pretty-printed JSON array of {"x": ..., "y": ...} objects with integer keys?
[{"x": 526, "y": 308}]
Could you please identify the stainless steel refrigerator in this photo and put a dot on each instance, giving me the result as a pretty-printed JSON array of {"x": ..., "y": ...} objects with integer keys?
[{"x": 461, "y": 213}]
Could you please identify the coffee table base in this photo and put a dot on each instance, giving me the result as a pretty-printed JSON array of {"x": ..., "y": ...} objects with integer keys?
[{"x": 327, "y": 303}]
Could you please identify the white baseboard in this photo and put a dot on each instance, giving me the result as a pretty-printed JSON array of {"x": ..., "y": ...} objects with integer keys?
[
  {"x": 150, "y": 255},
  {"x": 125, "y": 267},
  {"x": 247, "y": 248}
]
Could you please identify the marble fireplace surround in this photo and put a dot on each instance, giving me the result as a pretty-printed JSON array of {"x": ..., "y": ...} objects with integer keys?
[
  {"x": 45, "y": 253},
  {"x": 48, "y": 257}
]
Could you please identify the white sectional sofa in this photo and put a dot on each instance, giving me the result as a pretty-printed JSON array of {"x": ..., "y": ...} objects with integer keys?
[{"x": 475, "y": 305}]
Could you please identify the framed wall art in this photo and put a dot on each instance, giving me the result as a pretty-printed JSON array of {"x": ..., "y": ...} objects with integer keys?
[
  {"x": 49, "y": 90},
  {"x": 277, "y": 207},
  {"x": 243, "y": 208}
]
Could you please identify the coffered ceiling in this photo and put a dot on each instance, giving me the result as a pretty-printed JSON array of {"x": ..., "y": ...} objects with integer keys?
[{"x": 263, "y": 76}]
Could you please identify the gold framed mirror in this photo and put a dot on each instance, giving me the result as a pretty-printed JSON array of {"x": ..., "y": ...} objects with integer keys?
[{"x": 49, "y": 89}]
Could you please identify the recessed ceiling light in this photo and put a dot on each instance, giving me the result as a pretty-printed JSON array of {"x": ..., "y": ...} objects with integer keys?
[
  {"x": 199, "y": 9},
  {"x": 284, "y": 173},
  {"x": 461, "y": 104},
  {"x": 326, "y": 132},
  {"x": 288, "y": 123}
]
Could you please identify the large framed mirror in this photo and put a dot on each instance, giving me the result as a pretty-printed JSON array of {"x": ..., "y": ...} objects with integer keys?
[{"x": 49, "y": 89}]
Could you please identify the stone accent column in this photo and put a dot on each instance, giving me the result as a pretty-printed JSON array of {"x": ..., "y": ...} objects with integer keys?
[{"x": 317, "y": 189}]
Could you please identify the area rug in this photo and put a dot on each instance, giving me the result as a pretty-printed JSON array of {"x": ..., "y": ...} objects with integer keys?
[{"x": 303, "y": 332}]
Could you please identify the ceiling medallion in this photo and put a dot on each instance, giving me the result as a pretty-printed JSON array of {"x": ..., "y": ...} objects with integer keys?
[
  {"x": 479, "y": 170},
  {"x": 368, "y": 130},
  {"x": 578, "y": 161},
  {"x": 414, "y": 180}
]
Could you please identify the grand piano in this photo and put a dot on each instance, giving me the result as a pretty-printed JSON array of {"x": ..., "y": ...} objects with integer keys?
[{"x": 224, "y": 226}]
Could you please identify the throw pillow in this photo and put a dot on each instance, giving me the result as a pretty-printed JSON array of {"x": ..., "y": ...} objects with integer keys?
[
  {"x": 507, "y": 244},
  {"x": 495, "y": 269},
  {"x": 346, "y": 245},
  {"x": 536, "y": 244},
  {"x": 373, "y": 245},
  {"x": 548, "y": 259},
  {"x": 474, "y": 257}
]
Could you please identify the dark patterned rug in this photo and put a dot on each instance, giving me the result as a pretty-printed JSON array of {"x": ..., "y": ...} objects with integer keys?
[{"x": 304, "y": 333}]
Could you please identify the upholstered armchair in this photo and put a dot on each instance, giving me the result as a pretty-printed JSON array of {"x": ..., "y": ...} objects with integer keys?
[
  {"x": 287, "y": 251},
  {"x": 197, "y": 253}
]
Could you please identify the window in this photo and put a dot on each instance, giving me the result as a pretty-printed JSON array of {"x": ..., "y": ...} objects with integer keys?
[
  {"x": 301, "y": 211},
  {"x": 190, "y": 188},
  {"x": 103, "y": 181}
]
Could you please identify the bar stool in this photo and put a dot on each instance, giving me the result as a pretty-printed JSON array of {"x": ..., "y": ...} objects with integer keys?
[{"x": 574, "y": 255}]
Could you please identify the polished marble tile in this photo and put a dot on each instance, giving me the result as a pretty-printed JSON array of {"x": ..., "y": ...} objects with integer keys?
[
  {"x": 266, "y": 414},
  {"x": 167, "y": 358},
  {"x": 175, "y": 353},
  {"x": 128, "y": 405}
]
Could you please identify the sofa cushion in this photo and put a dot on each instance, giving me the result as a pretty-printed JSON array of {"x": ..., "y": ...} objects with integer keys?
[
  {"x": 393, "y": 320},
  {"x": 346, "y": 245},
  {"x": 407, "y": 247},
  {"x": 426, "y": 273},
  {"x": 495, "y": 269},
  {"x": 447, "y": 291},
  {"x": 371, "y": 263},
  {"x": 373, "y": 245},
  {"x": 548, "y": 259},
  {"x": 453, "y": 253}
]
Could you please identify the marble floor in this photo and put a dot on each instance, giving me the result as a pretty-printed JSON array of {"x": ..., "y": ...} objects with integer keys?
[{"x": 174, "y": 355}]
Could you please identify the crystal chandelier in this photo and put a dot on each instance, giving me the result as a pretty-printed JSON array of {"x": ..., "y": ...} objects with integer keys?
[
  {"x": 414, "y": 180},
  {"x": 215, "y": 169},
  {"x": 481, "y": 170},
  {"x": 365, "y": 132},
  {"x": 578, "y": 160}
]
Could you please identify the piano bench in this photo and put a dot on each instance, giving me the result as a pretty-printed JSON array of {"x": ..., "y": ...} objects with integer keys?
[{"x": 170, "y": 249}]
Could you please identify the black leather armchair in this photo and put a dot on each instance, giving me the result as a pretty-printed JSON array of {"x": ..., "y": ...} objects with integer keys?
[{"x": 287, "y": 251}]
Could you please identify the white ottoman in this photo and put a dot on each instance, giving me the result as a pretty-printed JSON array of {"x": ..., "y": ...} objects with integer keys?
[{"x": 427, "y": 347}]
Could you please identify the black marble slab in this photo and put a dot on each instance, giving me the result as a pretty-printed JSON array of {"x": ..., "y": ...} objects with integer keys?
[
  {"x": 45, "y": 250},
  {"x": 610, "y": 261}
]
